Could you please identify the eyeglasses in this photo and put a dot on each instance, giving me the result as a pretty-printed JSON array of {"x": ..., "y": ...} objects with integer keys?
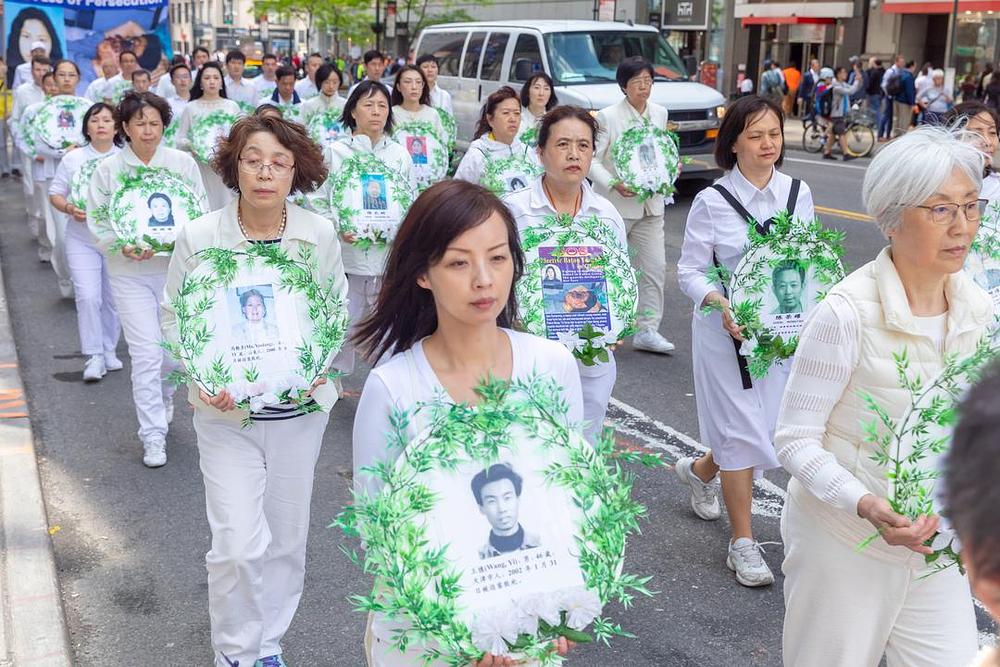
[
  {"x": 947, "y": 214},
  {"x": 255, "y": 166},
  {"x": 641, "y": 81}
]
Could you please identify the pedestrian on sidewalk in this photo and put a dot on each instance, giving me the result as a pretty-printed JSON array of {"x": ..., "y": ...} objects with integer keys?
[
  {"x": 138, "y": 275},
  {"x": 840, "y": 108},
  {"x": 258, "y": 480},
  {"x": 903, "y": 101},
  {"x": 793, "y": 79},
  {"x": 736, "y": 413},
  {"x": 873, "y": 89},
  {"x": 890, "y": 87},
  {"x": 934, "y": 101},
  {"x": 96, "y": 314},
  {"x": 807, "y": 89},
  {"x": 851, "y": 606}
]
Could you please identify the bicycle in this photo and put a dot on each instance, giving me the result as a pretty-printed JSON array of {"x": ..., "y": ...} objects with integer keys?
[{"x": 858, "y": 130}]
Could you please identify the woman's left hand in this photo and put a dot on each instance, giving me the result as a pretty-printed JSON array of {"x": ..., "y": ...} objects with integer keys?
[
  {"x": 137, "y": 253},
  {"x": 561, "y": 646},
  {"x": 318, "y": 382}
]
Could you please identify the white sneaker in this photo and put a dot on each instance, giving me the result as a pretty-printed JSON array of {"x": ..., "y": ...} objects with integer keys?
[
  {"x": 112, "y": 362},
  {"x": 33, "y": 227},
  {"x": 154, "y": 453},
  {"x": 44, "y": 255},
  {"x": 94, "y": 369},
  {"x": 745, "y": 560},
  {"x": 66, "y": 289},
  {"x": 704, "y": 495},
  {"x": 650, "y": 340}
]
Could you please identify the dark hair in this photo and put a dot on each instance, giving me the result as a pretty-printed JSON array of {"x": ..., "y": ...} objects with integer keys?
[
  {"x": 253, "y": 291},
  {"x": 197, "y": 92},
  {"x": 566, "y": 112},
  {"x": 838, "y": 69},
  {"x": 427, "y": 58},
  {"x": 133, "y": 103},
  {"x": 494, "y": 473},
  {"x": 397, "y": 97},
  {"x": 13, "y": 43},
  {"x": 405, "y": 312},
  {"x": 178, "y": 59},
  {"x": 310, "y": 171},
  {"x": 314, "y": 54},
  {"x": 526, "y": 88},
  {"x": 742, "y": 111},
  {"x": 49, "y": 75},
  {"x": 961, "y": 114},
  {"x": 141, "y": 72},
  {"x": 267, "y": 106},
  {"x": 490, "y": 106},
  {"x": 971, "y": 471},
  {"x": 364, "y": 90},
  {"x": 268, "y": 56},
  {"x": 170, "y": 204},
  {"x": 70, "y": 62},
  {"x": 373, "y": 54},
  {"x": 202, "y": 49},
  {"x": 41, "y": 60},
  {"x": 325, "y": 71},
  {"x": 235, "y": 54},
  {"x": 878, "y": 62},
  {"x": 128, "y": 52},
  {"x": 177, "y": 68},
  {"x": 630, "y": 67},
  {"x": 283, "y": 71},
  {"x": 788, "y": 265},
  {"x": 93, "y": 111}
]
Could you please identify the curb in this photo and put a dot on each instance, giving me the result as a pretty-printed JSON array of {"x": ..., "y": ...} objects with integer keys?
[{"x": 32, "y": 625}]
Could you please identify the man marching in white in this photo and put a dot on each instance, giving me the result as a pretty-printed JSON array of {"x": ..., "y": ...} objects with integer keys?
[{"x": 238, "y": 89}]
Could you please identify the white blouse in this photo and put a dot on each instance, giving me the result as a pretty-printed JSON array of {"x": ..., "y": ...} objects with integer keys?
[
  {"x": 320, "y": 104},
  {"x": 200, "y": 108},
  {"x": 483, "y": 150},
  {"x": 441, "y": 99},
  {"x": 69, "y": 165}
]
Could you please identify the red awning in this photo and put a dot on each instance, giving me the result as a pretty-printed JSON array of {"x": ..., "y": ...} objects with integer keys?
[
  {"x": 940, "y": 7},
  {"x": 769, "y": 20}
]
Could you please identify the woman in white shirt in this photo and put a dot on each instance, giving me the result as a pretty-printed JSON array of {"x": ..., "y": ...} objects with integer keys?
[
  {"x": 496, "y": 159},
  {"x": 258, "y": 480},
  {"x": 208, "y": 96},
  {"x": 440, "y": 98},
  {"x": 444, "y": 314},
  {"x": 96, "y": 315},
  {"x": 137, "y": 274},
  {"x": 180, "y": 77},
  {"x": 411, "y": 105},
  {"x": 325, "y": 103},
  {"x": 846, "y": 606},
  {"x": 537, "y": 97},
  {"x": 566, "y": 140},
  {"x": 736, "y": 414}
]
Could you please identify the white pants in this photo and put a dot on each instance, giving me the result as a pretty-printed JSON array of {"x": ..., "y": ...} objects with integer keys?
[
  {"x": 55, "y": 234},
  {"x": 138, "y": 300},
  {"x": 258, "y": 487},
  {"x": 27, "y": 184},
  {"x": 846, "y": 609},
  {"x": 96, "y": 315},
  {"x": 362, "y": 292},
  {"x": 39, "y": 195},
  {"x": 597, "y": 383},
  {"x": 649, "y": 258},
  {"x": 218, "y": 194}
]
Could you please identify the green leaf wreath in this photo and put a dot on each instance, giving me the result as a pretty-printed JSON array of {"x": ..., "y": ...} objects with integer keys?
[
  {"x": 170, "y": 134},
  {"x": 26, "y": 129},
  {"x": 450, "y": 127},
  {"x": 808, "y": 244},
  {"x": 983, "y": 260},
  {"x": 322, "y": 122},
  {"x": 418, "y": 587},
  {"x": 46, "y": 121},
  {"x": 145, "y": 181},
  {"x": 290, "y": 111},
  {"x": 909, "y": 447},
  {"x": 347, "y": 179},
  {"x": 589, "y": 345},
  {"x": 530, "y": 136},
  {"x": 80, "y": 182},
  {"x": 203, "y": 133},
  {"x": 624, "y": 150},
  {"x": 437, "y": 151},
  {"x": 118, "y": 91},
  {"x": 326, "y": 309},
  {"x": 496, "y": 171}
]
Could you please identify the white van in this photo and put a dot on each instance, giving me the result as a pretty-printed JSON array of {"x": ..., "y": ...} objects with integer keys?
[{"x": 581, "y": 57}]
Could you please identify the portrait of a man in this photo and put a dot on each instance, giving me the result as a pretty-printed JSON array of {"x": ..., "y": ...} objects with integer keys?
[
  {"x": 374, "y": 193},
  {"x": 788, "y": 280},
  {"x": 254, "y": 327},
  {"x": 161, "y": 213},
  {"x": 497, "y": 491}
]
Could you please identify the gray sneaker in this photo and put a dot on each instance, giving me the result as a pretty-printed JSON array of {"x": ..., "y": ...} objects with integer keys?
[
  {"x": 650, "y": 340},
  {"x": 154, "y": 453},
  {"x": 745, "y": 560},
  {"x": 704, "y": 495}
]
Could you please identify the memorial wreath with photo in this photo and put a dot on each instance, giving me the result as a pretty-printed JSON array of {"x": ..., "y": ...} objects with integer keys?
[
  {"x": 368, "y": 199},
  {"x": 59, "y": 121},
  {"x": 80, "y": 183},
  {"x": 510, "y": 173},
  {"x": 206, "y": 131},
  {"x": 983, "y": 262},
  {"x": 325, "y": 127},
  {"x": 647, "y": 161},
  {"x": 427, "y": 149}
]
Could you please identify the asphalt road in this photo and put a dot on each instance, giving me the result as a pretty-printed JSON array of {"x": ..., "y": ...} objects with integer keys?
[{"x": 130, "y": 542}]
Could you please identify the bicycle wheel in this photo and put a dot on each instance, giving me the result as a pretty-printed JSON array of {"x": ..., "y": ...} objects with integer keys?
[
  {"x": 860, "y": 140},
  {"x": 812, "y": 138}
]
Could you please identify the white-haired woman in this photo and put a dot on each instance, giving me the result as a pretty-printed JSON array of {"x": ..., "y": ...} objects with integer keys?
[
  {"x": 934, "y": 101},
  {"x": 844, "y": 606}
]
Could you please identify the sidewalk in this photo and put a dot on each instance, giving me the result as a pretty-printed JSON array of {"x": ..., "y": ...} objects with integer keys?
[{"x": 32, "y": 627}]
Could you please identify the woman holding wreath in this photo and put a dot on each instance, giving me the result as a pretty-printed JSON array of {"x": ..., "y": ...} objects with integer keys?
[
  {"x": 208, "y": 97},
  {"x": 258, "y": 480},
  {"x": 138, "y": 274},
  {"x": 845, "y": 606},
  {"x": 537, "y": 98},
  {"x": 736, "y": 414},
  {"x": 327, "y": 101},
  {"x": 566, "y": 138},
  {"x": 444, "y": 314},
  {"x": 496, "y": 140},
  {"x": 643, "y": 219},
  {"x": 411, "y": 104},
  {"x": 96, "y": 315}
]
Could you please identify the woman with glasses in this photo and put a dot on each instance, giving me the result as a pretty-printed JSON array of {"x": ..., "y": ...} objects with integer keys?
[
  {"x": 844, "y": 605},
  {"x": 258, "y": 480}
]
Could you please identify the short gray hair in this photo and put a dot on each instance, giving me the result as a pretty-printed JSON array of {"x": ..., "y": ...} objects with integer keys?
[{"x": 911, "y": 168}]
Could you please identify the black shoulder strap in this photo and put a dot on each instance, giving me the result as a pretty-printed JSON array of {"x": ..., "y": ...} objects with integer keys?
[
  {"x": 793, "y": 196},
  {"x": 741, "y": 361},
  {"x": 732, "y": 200}
]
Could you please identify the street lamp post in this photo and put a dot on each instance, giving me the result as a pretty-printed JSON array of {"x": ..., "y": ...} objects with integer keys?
[{"x": 950, "y": 56}]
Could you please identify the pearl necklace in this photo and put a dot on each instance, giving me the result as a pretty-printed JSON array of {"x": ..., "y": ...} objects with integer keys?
[{"x": 277, "y": 235}]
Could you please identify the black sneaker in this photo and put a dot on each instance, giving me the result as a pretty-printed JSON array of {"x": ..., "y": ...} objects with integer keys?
[
  {"x": 16, "y": 173},
  {"x": 828, "y": 156},
  {"x": 848, "y": 158}
]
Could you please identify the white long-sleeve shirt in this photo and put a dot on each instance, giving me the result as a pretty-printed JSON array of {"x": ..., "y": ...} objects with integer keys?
[
  {"x": 242, "y": 92},
  {"x": 441, "y": 99},
  {"x": 62, "y": 182},
  {"x": 306, "y": 88},
  {"x": 24, "y": 96},
  {"x": 197, "y": 109},
  {"x": 263, "y": 86},
  {"x": 484, "y": 150}
]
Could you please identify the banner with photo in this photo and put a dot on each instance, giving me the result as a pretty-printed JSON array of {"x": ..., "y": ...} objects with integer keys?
[
  {"x": 983, "y": 261},
  {"x": 88, "y": 32}
]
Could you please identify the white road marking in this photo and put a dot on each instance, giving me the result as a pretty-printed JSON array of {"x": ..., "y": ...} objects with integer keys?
[{"x": 827, "y": 163}]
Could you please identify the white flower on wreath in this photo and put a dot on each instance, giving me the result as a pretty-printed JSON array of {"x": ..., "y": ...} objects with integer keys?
[
  {"x": 296, "y": 381},
  {"x": 544, "y": 606},
  {"x": 582, "y": 606},
  {"x": 494, "y": 627},
  {"x": 604, "y": 340},
  {"x": 944, "y": 538},
  {"x": 571, "y": 340}
]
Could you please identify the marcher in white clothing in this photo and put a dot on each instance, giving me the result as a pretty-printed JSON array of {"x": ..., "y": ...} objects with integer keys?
[
  {"x": 643, "y": 220},
  {"x": 40, "y": 169},
  {"x": 207, "y": 96},
  {"x": 566, "y": 142},
  {"x": 25, "y": 96},
  {"x": 284, "y": 95},
  {"x": 121, "y": 83},
  {"x": 258, "y": 480},
  {"x": 736, "y": 414},
  {"x": 537, "y": 97},
  {"x": 444, "y": 314},
  {"x": 95, "y": 89},
  {"x": 846, "y": 606},
  {"x": 440, "y": 98},
  {"x": 137, "y": 275},
  {"x": 495, "y": 140},
  {"x": 368, "y": 117},
  {"x": 265, "y": 82},
  {"x": 411, "y": 104},
  {"x": 39, "y": 49},
  {"x": 181, "y": 76},
  {"x": 96, "y": 315},
  {"x": 238, "y": 89},
  {"x": 307, "y": 87},
  {"x": 982, "y": 123},
  {"x": 327, "y": 102},
  {"x": 374, "y": 68}
]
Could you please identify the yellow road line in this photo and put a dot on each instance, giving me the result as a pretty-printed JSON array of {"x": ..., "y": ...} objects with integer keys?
[{"x": 840, "y": 213}]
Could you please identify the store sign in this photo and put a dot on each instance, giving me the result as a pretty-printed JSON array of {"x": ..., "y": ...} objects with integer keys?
[
  {"x": 685, "y": 14},
  {"x": 606, "y": 10},
  {"x": 808, "y": 33}
]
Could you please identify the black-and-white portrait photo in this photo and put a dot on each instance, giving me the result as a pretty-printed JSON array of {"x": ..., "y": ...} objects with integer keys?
[{"x": 497, "y": 491}]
